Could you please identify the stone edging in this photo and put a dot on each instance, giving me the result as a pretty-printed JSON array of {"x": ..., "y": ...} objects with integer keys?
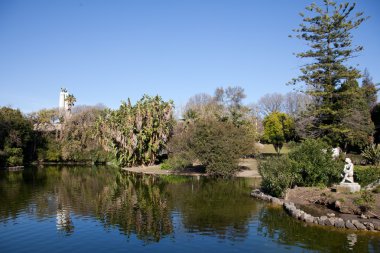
[{"x": 296, "y": 213}]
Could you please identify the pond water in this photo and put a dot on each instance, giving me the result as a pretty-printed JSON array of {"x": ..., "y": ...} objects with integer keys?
[{"x": 102, "y": 209}]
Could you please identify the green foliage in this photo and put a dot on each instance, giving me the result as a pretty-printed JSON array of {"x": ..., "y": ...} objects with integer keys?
[
  {"x": 175, "y": 163},
  {"x": 16, "y": 133},
  {"x": 366, "y": 175},
  {"x": 215, "y": 144},
  {"x": 74, "y": 140},
  {"x": 366, "y": 201},
  {"x": 51, "y": 152},
  {"x": 375, "y": 116},
  {"x": 277, "y": 174},
  {"x": 137, "y": 134},
  {"x": 314, "y": 165},
  {"x": 278, "y": 128},
  {"x": 306, "y": 165},
  {"x": 372, "y": 154},
  {"x": 340, "y": 113},
  {"x": 219, "y": 145},
  {"x": 15, "y": 156}
]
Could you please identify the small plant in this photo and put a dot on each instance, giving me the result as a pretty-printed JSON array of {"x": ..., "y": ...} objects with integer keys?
[
  {"x": 366, "y": 175},
  {"x": 366, "y": 201},
  {"x": 372, "y": 154},
  {"x": 377, "y": 189},
  {"x": 175, "y": 163}
]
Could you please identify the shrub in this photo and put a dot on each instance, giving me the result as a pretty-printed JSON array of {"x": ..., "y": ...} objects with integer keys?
[
  {"x": 277, "y": 174},
  {"x": 314, "y": 165},
  {"x": 15, "y": 156},
  {"x": 306, "y": 165},
  {"x": 215, "y": 144},
  {"x": 219, "y": 145},
  {"x": 366, "y": 175},
  {"x": 366, "y": 201},
  {"x": 175, "y": 163},
  {"x": 372, "y": 154}
]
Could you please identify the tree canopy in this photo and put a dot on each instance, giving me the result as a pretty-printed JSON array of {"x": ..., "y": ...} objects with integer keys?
[{"x": 326, "y": 76}]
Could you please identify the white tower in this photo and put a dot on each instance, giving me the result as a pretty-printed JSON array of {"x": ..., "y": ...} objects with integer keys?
[{"x": 63, "y": 105}]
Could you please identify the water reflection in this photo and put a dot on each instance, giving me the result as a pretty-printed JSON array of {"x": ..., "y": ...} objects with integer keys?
[
  {"x": 152, "y": 209},
  {"x": 276, "y": 224}
]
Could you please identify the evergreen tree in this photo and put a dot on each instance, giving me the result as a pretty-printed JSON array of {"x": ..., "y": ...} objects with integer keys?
[
  {"x": 327, "y": 31},
  {"x": 369, "y": 88}
]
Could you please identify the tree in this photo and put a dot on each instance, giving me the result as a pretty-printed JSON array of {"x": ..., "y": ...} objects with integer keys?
[
  {"x": 370, "y": 90},
  {"x": 278, "y": 128},
  {"x": 70, "y": 99},
  {"x": 356, "y": 127},
  {"x": 375, "y": 115},
  {"x": 327, "y": 32},
  {"x": 271, "y": 103},
  {"x": 295, "y": 103},
  {"x": 15, "y": 137},
  {"x": 138, "y": 133}
]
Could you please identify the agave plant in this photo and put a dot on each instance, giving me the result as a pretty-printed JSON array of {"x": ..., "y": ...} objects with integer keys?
[{"x": 372, "y": 154}]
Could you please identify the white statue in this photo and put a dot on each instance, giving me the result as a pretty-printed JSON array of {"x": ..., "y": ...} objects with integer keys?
[{"x": 348, "y": 171}]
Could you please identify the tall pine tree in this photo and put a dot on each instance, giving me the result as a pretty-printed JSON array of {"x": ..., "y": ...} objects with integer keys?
[{"x": 328, "y": 78}]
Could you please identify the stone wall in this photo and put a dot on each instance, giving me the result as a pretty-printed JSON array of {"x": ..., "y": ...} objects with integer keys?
[{"x": 330, "y": 221}]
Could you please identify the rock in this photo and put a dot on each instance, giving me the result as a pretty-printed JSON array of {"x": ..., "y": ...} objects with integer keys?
[
  {"x": 338, "y": 205},
  {"x": 339, "y": 223},
  {"x": 369, "y": 226},
  {"x": 309, "y": 218},
  {"x": 331, "y": 215},
  {"x": 277, "y": 201},
  {"x": 302, "y": 216},
  {"x": 322, "y": 220},
  {"x": 349, "y": 225},
  {"x": 358, "y": 225},
  {"x": 363, "y": 216},
  {"x": 377, "y": 226},
  {"x": 330, "y": 222},
  {"x": 316, "y": 220}
]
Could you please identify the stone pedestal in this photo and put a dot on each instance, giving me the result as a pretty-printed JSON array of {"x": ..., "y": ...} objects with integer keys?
[{"x": 348, "y": 187}]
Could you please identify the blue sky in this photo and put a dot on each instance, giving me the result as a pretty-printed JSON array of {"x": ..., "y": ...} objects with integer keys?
[{"x": 106, "y": 51}]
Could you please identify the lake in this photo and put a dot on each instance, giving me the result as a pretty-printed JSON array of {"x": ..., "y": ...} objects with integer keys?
[{"x": 103, "y": 209}]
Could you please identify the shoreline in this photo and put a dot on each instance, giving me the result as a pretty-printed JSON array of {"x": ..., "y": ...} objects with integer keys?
[
  {"x": 324, "y": 220},
  {"x": 249, "y": 170}
]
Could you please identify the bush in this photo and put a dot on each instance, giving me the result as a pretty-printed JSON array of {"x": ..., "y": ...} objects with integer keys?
[
  {"x": 15, "y": 156},
  {"x": 366, "y": 175},
  {"x": 306, "y": 165},
  {"x": 277, "y": 174},
  {"x": 217, "y": 145},
  {"x": 372, "y": 154},
  {"x": 175, "y": 163},
  {"x": 314, "y": 164}
]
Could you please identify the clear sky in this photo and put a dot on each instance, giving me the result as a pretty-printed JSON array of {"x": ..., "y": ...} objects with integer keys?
[{"x": 106, "y": 51}]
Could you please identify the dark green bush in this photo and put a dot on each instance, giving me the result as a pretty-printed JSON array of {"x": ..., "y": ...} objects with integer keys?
[
  {"x": 308, "y": 164},
  {"x": 366, "y": 175},
  {"x": 217, "y": 145},
  {"x": 277, "y": 174},
  {"x": 314, "y": 165},
  {"x": 15, "y": 156}
]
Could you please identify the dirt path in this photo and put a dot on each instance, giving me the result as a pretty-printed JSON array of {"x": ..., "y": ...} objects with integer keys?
[{"x": 248, "y": 170}]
